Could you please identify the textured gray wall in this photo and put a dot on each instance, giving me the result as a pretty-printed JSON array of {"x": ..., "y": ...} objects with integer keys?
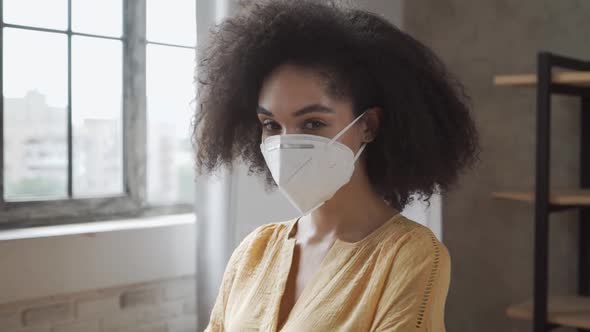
[{"x": 491, "y": 240}]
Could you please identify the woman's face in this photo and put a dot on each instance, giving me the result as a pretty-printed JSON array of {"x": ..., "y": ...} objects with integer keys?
[{"x": 293, "y": 100}]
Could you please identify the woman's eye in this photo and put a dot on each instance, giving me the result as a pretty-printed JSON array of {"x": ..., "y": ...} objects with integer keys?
[
  {"x": 271, "y": 125},
  {"x": 314, "y": 124}
]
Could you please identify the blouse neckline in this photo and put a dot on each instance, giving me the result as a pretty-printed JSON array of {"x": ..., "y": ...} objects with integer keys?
[
  {"x": 339, "y": 252},
  {"x": 374, "y": 234}
]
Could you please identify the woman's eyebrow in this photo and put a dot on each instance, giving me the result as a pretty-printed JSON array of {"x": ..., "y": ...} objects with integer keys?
[
  {"x": 315, "y": 108},
  {"x": 262, "y": 110}
]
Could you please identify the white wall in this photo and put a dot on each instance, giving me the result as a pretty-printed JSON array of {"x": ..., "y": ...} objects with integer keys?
[
  {"x": 254, "y": 206},
  {"x": 38, "y": 267}
]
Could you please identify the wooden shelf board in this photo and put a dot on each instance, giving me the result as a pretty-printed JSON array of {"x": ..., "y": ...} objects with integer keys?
[
  {"x": 570, "y": 77},
  {"x": 572, "y": 311},
  {"x": 556, "y": 197}
]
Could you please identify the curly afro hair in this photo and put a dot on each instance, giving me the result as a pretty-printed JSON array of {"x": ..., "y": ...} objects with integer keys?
[{"x": 426, "y": 135}]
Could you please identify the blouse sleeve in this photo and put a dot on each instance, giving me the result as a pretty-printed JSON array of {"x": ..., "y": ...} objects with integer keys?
[
  {"x": 218, "y": 311},
  {"x": 417, "y": 286}
]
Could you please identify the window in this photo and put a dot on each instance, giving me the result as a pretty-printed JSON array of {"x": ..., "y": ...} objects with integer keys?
[
  {"x": 96, "y": 109},
  {"x": 170, "y": 58}
]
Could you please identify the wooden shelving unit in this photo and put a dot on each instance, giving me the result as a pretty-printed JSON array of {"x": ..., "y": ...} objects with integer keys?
[
  {"x": 573, "y": 311},
  {"x": 574, "y": 197},
  {"x": 573, "y": 78},
  {"x": 581, "y": 78}
]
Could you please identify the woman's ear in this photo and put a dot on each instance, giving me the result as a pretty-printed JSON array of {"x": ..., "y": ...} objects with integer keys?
[{"x": 371, "y": 120}]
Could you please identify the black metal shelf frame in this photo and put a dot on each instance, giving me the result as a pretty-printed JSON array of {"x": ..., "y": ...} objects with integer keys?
[{"x": 545, "y": 89}]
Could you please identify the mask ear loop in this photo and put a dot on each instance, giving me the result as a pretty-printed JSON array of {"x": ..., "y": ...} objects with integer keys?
[
  {"x": 358, "y": 154},
  {"x": 346, "y": 128}
]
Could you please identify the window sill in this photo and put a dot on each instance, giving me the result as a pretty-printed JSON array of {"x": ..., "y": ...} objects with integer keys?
[{"x": 97, "y": 227}]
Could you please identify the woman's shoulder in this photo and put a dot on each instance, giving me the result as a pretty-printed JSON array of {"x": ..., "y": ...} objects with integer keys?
[
  {"x": 423, "y": 258},
  {"x": 274, "y": 231},
  {"x": 417, "y": 239},
  {"x": 257, "y": 242}
]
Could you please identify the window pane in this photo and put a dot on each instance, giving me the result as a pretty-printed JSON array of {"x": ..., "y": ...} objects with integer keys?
[
  {"x": 104, "y": 17},
  {"x": 51, "y": 14},
  {"x": 172, "y": 22},
  {"x": 169, "y": 96},
  {"x": 35, "y": 114},
  {"x": 96, "y": 116}
]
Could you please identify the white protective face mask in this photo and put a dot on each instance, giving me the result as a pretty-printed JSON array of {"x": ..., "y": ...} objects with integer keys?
[{"x": 309, "y": 169}]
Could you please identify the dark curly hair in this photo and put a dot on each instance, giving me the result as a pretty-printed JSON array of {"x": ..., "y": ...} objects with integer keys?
[{"x": 426, "y": 134}]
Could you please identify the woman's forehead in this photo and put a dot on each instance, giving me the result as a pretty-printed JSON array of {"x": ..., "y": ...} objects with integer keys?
[
  {"x": 288, "y": 81},
  {"x": 293, "y": 89}
]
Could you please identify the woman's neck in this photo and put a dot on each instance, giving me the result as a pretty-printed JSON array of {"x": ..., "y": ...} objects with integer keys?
[{"x": 351, "y": 214}]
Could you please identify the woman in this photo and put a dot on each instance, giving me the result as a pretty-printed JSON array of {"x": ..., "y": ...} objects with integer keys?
[{"x": 349, "y": 116}]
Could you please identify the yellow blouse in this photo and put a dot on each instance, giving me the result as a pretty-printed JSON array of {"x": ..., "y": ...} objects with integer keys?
[{"x": 394, "y": 279}]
